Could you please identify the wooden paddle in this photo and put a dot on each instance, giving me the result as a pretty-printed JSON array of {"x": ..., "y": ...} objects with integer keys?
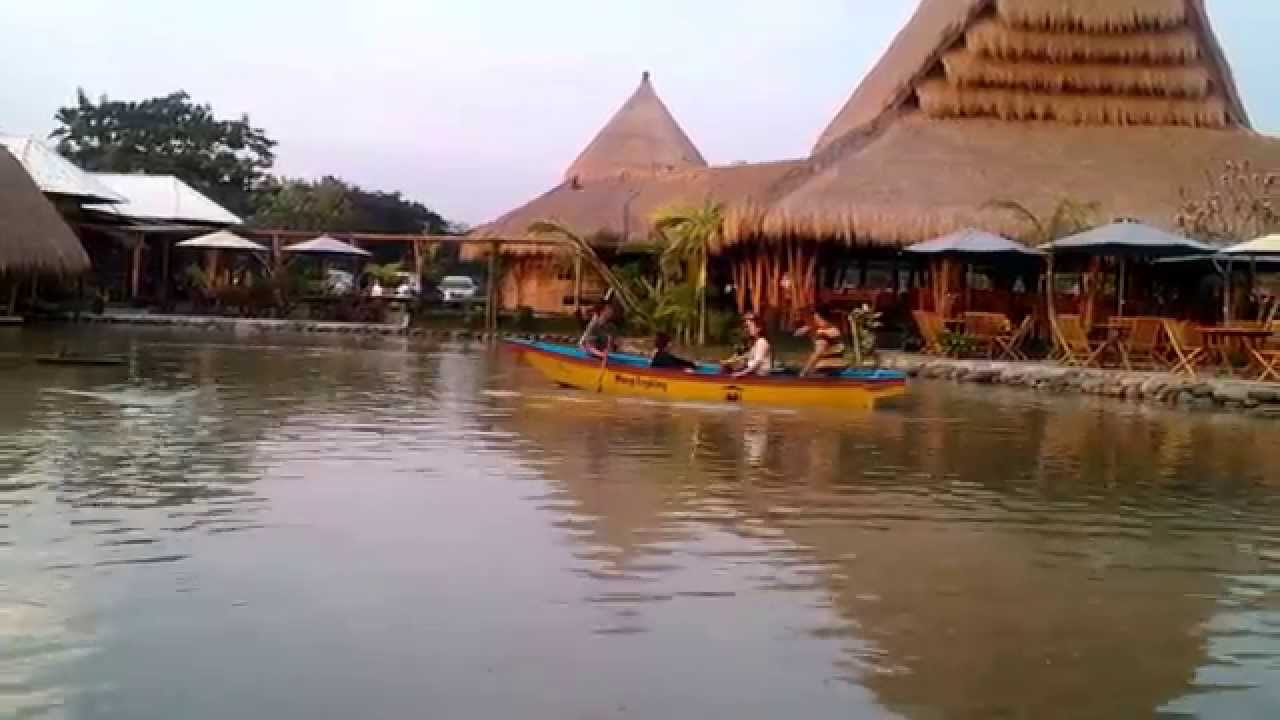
[{"x": 604, "y": 367}]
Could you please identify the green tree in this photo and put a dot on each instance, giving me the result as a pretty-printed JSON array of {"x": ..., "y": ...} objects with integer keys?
[
  {"x": 332, "y": 204},
  {"x": 299, "y": 205},
  {"x": 168, "y": 135},
  {"x": 691, "y": 235}
]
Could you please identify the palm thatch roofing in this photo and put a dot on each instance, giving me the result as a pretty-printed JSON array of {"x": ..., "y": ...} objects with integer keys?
[
  {"x": 1126, "y": 103},
  {"x": 642, "y": 137},
  {"x": 33, "y": 236},
  {"x": 1123, "y": 103}
]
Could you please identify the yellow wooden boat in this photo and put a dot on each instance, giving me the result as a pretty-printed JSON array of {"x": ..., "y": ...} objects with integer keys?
[{"x": 631, "y": 375}]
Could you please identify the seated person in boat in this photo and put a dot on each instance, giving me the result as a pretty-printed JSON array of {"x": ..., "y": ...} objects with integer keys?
[
  {"x": 664, "y": 359},
  {"x": 597, "y": 340},
  {"x": 828, "y": 345},
  {"x": 758, "y": 358}
]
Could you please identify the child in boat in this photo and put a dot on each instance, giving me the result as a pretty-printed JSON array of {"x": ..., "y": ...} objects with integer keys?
[
  {"x": 664, "y": 359},
  {"x": 758, "y": 359},
  {"x": 828, "y": 345}
]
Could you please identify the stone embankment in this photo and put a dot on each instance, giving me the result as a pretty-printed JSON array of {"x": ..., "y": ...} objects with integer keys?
[
  {"x": 261, "y": 326},
  {"x": 1176, "y": 391}
]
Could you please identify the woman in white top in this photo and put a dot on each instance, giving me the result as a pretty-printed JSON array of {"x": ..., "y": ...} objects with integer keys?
[{"x": 759, "y": 357}]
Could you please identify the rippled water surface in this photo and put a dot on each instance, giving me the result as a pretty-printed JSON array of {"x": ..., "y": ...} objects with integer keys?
[{"x": 271, "y": 529}]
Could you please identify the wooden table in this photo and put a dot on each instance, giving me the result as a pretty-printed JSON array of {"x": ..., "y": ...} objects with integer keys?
[
  {"x": 1221, "y": 342},
  {"x": 1118, "y": 340}
]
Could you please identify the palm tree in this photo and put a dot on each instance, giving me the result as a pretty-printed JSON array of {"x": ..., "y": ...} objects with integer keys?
[
  {"x": 692, "y": 233},
  {"x": 576, "y": 246},
  {"x": 1068, "y": 218}
]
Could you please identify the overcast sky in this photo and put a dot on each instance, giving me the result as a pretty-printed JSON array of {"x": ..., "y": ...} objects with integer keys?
[{"x": 475, "y": 106}]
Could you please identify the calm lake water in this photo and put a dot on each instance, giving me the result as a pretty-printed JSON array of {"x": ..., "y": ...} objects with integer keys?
[{"x": 275, "y": 529}]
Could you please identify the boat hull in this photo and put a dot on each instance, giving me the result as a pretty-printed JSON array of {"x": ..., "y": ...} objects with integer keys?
[{"x": 623, "y": 376}]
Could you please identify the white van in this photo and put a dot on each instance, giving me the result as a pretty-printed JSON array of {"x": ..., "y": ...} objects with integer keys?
[{"x": 458, "y": 288}]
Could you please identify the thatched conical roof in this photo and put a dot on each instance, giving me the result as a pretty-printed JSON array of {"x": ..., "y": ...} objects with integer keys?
[
  {"x": 33, "y": 236},
  {"x": 643, "y": 137},
  {"x": 1126, "y": 103},
  {"x": 1095, "y": 62}
]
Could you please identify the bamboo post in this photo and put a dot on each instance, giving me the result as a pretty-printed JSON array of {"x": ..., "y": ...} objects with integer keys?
[
  {"x": 166, "y": 249},
  {"x": 1227, "y": 290},
  {"x": 135, "y": 267},
  {"x": 491, "y": 316},
  {"x": 1120, "y": 287},
  {"x": 577, "y": 283}
]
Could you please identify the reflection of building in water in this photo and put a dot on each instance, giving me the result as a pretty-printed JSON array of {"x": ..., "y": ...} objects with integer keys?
[{"x": 1022, "y": 566}]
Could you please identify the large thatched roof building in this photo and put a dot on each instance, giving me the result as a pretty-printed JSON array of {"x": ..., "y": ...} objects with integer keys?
[
  {"x": 1122, "y": 103},
  {"x": 33, "y": 236}
]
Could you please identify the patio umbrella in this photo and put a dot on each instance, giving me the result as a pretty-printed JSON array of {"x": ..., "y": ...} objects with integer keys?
[
  {"x": 971, "y": 241},
  {"x": 1125, "y": 239},
  {"x": 222, "y": 240},
  {"x": 218, "y": 241},
  {"x": 1265, "y": 248},
  {"x": 326, "y": 245},
  {"x": 967, "y": 244}
]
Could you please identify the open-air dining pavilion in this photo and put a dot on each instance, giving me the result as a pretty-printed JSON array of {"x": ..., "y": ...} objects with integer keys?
[{"x": 1121, "y": 307}]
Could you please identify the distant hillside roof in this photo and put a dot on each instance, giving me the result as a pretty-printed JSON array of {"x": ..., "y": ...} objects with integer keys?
[
  {"x": 642, "y": 137},
  {"x": 162, "y": 197},
  {"x": 1093, "y": 62},
  {"x": 54, "y": 174},
  {"x": 33, "y": 236}
]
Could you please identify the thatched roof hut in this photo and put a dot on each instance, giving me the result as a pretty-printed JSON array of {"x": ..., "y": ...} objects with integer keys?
[
  {"x": 642, "y": 137},
  {"x": 33, "y": 236},
  {"x": 1125, "y": 103},
  {"x": 1122, "y": 102},
  {"x": 639, "y": 163}
]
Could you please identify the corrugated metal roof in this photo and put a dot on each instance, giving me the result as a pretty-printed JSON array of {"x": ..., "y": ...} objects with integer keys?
[
  {"x": 54, "y": 174},
  {"x": 162, "y": 197}
]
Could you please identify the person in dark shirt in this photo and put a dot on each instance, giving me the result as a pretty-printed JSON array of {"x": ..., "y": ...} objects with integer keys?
[{"x": 663, "y": 357}]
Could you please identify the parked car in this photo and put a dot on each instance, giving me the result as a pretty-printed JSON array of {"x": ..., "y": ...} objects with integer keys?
[
  {"x": 410, "y": 285},
  {"x": 458, "y": 289},
  {"x": 339, "y": 282}
]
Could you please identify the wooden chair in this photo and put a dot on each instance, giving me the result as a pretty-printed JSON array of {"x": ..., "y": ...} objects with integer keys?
[
  {"x": 988, "y": 330},
  {"x": 1074, "y": 346},
  {"x": 931, "y": 330},
  {"x": 1186, "y": 344},
  {"x": 1146, "y": 348},
  {"x": 1012, "y": 349}
]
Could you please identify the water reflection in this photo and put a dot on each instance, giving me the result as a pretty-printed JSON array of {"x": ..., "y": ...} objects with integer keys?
[
  {"x": 983, "y": 556},
  {"x": 383, "y": 528}
]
